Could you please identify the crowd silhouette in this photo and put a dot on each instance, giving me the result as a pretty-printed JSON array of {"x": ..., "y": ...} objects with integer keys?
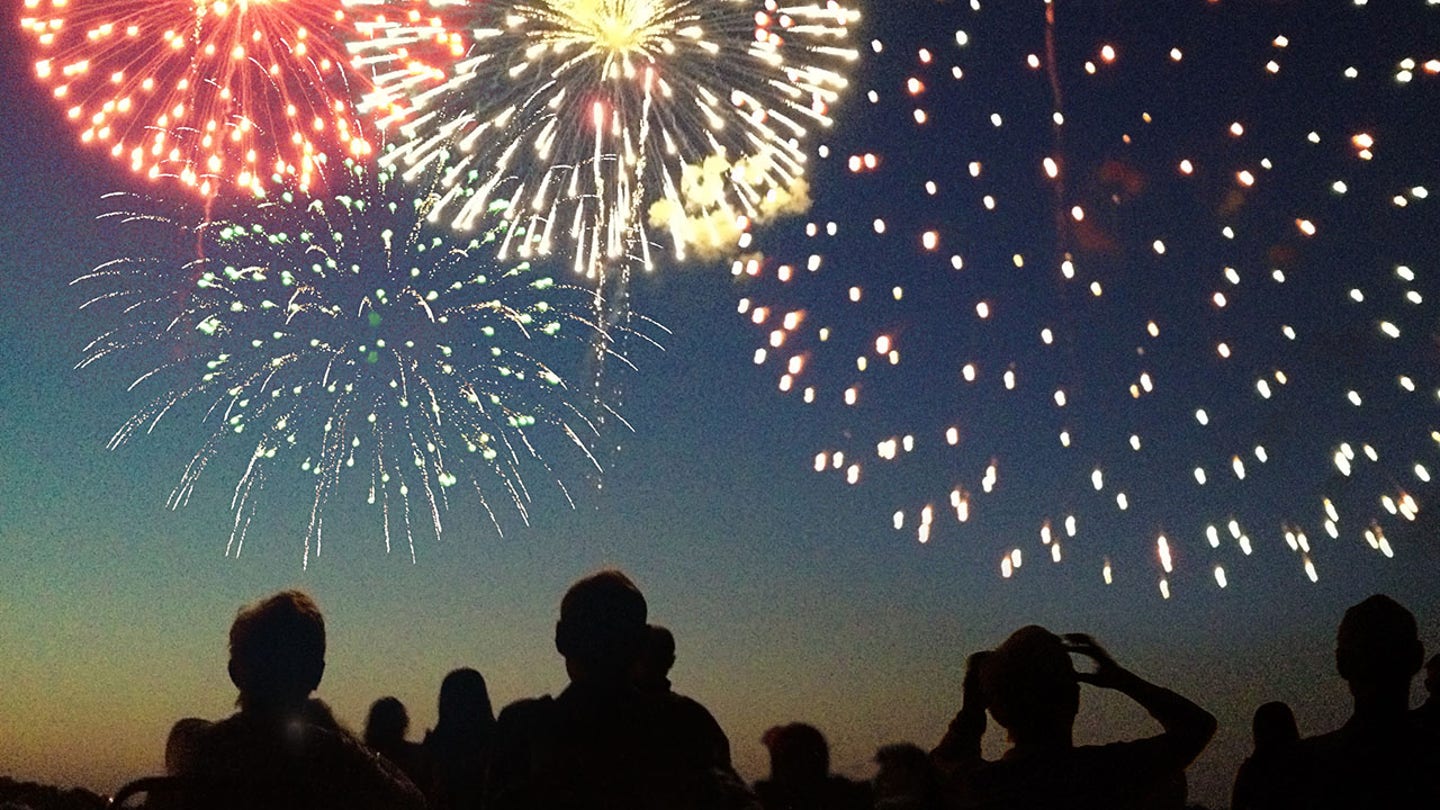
[{"x": 618, "y": 736}]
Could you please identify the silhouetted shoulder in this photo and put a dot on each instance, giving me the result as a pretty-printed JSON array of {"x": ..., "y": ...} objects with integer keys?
[
  {"x": 302, "y": 762},
  {"x": 1358, "y": 766},
  {"x": 696, "y": 727},
  {"x": 1132, "y": 774}
]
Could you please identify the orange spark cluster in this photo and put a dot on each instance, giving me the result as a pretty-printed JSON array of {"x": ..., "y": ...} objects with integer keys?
[{"x": 221, "y": 94}]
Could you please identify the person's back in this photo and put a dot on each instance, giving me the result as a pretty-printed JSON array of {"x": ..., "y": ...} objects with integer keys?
[
  {"x": 1031, "y": 688},
  {"x": 283, "y": 750},
  {"x": 602, "y": 743},
  {"x": 1383, "y": 756},
  {"x": 274, "y": 761}
]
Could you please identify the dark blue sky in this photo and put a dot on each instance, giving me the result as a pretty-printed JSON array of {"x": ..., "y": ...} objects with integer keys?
[{"x": 791, "y": 594}]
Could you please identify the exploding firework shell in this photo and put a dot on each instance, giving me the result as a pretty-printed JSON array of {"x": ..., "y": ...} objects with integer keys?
[
  {"x": 595, "y": 119},
  {"x": 221, "y": 94},
  {"x": 1173, "y": 340},
  {"x": 337, "y": 338}
]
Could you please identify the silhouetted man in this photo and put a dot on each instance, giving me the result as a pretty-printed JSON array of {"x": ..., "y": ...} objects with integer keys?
[
  {"x": 1031, "y": 688},
  {"x": 281, "y": 749},
  {"x": 1381, "y": 757},
  {"x": 602, "y": 743}
]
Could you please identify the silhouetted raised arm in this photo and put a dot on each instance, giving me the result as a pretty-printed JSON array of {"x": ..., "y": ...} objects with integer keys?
[
  {"x": 1188, "y": 728},
  {"x": 961, "y": 745}
]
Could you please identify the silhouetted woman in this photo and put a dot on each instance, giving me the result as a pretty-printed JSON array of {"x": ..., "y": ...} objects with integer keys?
[
  {"x": 458, "y": 748},
  {"x": 1266, "y": 779}
]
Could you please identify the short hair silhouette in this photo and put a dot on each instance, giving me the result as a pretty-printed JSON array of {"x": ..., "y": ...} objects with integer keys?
[
  {"x": 1378, "y": 644},
  {"x": 387, "y": 723},
  {"x": 602, "y": 622},
  {"x": 277, "y": 650},
  {"x": 798, "y": 753},
  {"x": 1029, "y": 683},
  {"x": 180, "y": 744},
  {"x": 656, "y": 658}
]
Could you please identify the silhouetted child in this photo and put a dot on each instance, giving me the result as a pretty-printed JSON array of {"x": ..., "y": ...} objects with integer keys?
[
  {"x": 457, "y": 750},
  {"x": 652, "y": 676},
  {"x": 1266, "y": 778},
  {"x": 1382, "y": 756},
  {"x": 800, "y": 777},
  {"x": 602, "y": 743},
  {"x": 1031, "y": 689},
  {"x": 280, "y": 750},
  {"x": 385, "y": 729}
]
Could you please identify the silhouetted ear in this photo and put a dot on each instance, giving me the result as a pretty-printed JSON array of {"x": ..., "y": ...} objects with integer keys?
[
  {"x": 562, "y": 638},
  {"x": 235, "y": 675},
  {"x": 1344, "y": 663},
  {"x": 318, "y": 672}
]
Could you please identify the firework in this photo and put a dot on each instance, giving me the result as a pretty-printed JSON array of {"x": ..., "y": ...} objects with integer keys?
[
  {"x": 1170, "y": 319},
  {"x": 339, "y": 339},
  {"x": 221, "y": 94},
  {"x": 597, "y": 119}
]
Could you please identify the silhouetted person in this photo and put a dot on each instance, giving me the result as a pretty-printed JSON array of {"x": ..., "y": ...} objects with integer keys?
[
  {"x": 457, "y": 750},
  {"x": 1267, "y": 778},
  {"x": 1382, "y": 756},
  {"x": 385, "y": 729},
  {"x": 180, "y": 744},
  {"x": 800, "y": 777},
  {"x": 657, "y": 657},
  {"x": 652, "y": 676},
  {"x": 1031, "y": 689},
  {"x": 905, "y": 780},
  {"x": 1429, "y": 712},
  {"x": 602, "y": 743},
  {"x": 281, "y": 749}
]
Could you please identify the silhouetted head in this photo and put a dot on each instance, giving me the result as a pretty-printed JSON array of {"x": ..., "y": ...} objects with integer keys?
[
  {"x": 904, "y": 771},
  {"x": 465, "y": 703},
  {"x": 1274, "y": 726},
  {"x": 387, "y": 723},
  {"x": 657, "y": 656},
  {"x": 1432, "y": 676},
  {"x": 180, "y": 744},
  {"x": 1378, "y": 650},
  {"x": 602, "y": 627},
  {"x": 1030, "y": 686},
  {"x": 277, "y": 651},
  {"x": 798, "y": 754}
]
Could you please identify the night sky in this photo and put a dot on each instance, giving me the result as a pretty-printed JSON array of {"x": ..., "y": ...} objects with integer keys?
[{"x": 792, "y": 594}]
